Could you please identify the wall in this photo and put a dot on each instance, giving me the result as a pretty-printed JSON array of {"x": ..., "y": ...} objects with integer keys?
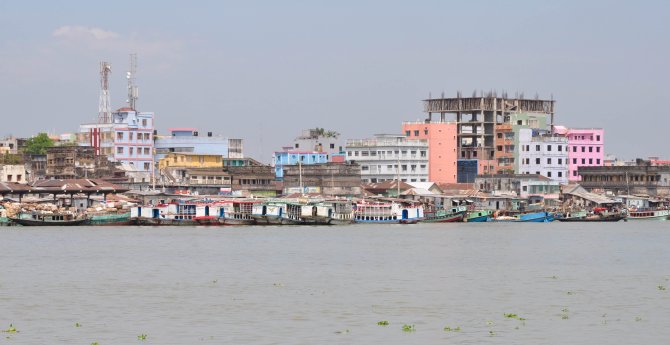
[
  {"x": 586, "y": 147},
  {"x": 442, "y": 147},
  {"x": 13, "y": 173}
]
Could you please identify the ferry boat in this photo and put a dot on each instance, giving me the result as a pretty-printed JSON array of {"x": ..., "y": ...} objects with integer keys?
[
  {"x": 598, "y": 215},
  {"x": 328, "y": 213},
  {"x": 648, "y": 214},
  {"x": 234, "y": 212},
  {"x": 478, "y": 216},
  {"x": 534, "y": 217},
  {"x": 48, "y": 219},
  {"x": 268, "y": 213},
  {"x": 174, "y": 213},
  {"x": 387, "y": 212},
  {"x": 99, "y": 219},
  {"x": 454, "y": 214}
]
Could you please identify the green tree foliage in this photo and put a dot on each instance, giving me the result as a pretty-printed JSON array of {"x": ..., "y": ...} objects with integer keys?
[{"x": 38, "y": 144}]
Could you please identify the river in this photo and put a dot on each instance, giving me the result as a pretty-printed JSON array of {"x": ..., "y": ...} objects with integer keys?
[{"x": 598, "y": 283}]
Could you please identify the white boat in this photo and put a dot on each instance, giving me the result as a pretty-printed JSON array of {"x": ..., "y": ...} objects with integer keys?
[{"x": 648, "y": 214}]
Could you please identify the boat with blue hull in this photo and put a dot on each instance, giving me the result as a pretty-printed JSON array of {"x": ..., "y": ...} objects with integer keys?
[
  {"x": 479, "y": 216},
  {"x": 534, "y": 217}
]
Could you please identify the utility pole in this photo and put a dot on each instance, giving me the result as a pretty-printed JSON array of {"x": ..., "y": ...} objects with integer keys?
[
  {"x": 133, "y": 91},
  {"x": 105, "y": 107}
]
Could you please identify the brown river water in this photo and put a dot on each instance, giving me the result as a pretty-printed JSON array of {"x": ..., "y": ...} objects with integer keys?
[{"x": 597, "y": 283}]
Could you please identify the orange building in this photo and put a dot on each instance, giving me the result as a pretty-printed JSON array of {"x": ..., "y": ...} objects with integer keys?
[
  {"x": 504, "y": 153},
  {"x": 442, "y": 146}
]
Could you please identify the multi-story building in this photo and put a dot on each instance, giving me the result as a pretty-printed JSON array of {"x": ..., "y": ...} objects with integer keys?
[
  {"x": 189, "y": 140},
  {"x": 253, "y": 180},
  {"x": 13, "y": 173},
  {"x": 390, "y": 157},
  {"x": 585, "y": 148},
  {"x": 543, "y": 154},
  {"x": 72, "y": 162},
  {"x": 294, "y": 157},
  {"x": 191, "y": 160},
  {"x": 9, "y": 145},
  {"x": 442, "y": 148},
  {"x": 641, "y": 178},
  {"x": 336, "y": 179},
  {"x": 127, "y": 139},
  {"x": 318, "y": 140},
  {"x": 505, "y": 148}
]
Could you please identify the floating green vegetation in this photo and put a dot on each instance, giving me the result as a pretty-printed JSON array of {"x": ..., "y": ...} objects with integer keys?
[
  {"x": 638, "y": 319},
  {"x": 492, "y": 333},
  {"x": 278, "y": 284},
  {"x": 489, "y": 323},
  {"x": 661, "y": 287},
  {"x": 565, "y": 310},
  {"x": 513, "y": 316},
  {"x": 564, "y": 316},
  {"x": 142, "y": 337},
  {"x": 215, "y": 281},
  {"x": 95, "y": 343},
  {"x": 383, "y": 323},
  {"x": 77, "y": 324},
  {"x": 449, "y": 329},
  {"x": 11, "y": 329},
  {"x": 408, "y": 328}
]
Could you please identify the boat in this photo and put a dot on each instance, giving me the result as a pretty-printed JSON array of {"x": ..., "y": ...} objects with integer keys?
[
  {"x": 612, "y": 217},
  {"x": 454, "y": 214},
  {"x": 268, "y": 212},
  {"x": 48, "y": 219},
  {"x": 534, "y": 217},
  {"x": 235, "y": 212},
  {"x": 174, "y": 213},
  {"x": 648, "y": 213},
  {"x": 478, "y": 216},
  {"x": 100, "y": 219},
  {"x": 398, "y": 212}
]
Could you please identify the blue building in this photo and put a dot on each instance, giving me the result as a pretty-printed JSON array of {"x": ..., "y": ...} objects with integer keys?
[
  {"x": 467, "y": 170},
  {"x": 289, "y": 157},
  {"x": 189, "y": 140}
]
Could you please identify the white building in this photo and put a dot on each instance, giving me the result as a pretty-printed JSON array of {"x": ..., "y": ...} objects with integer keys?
[
  {"x": 318, "y": 140},
  {"x": 128, "y": 139},
  {"x": 13, "y": 173},
  {"x": 388, "y": 156},
  {"x": 543, "y": 154}
]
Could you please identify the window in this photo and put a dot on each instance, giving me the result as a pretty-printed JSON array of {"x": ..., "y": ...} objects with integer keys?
[
  {"x": 348, "y": 154},
  {"x": 548, "y": 173},
  {"x": 590, "y": 148},
  {"x": 590, "y": 160},
  {"x": 574, "y": 149},
  {"x": 147, "y": 166},
  {"x": 130, "y": 136},
  {"x": 144, "y": 122},
  {"x": 598, "y": 161},
  {"x": 425, "y": 131},
  {"x": 130, "y": 151},
  {"x": 499, "y": 147},
  {"x": 560, "y": 148},
  {"x": 560, "y": 160},
  {"x": 365, "y": 153},
  {"x": 583, "y": 161},
  {"x": 119, "y": 150},
  {"x": 9, "y": 178},
  {"x": 524, "y": 188},
  {"x": 598, "y": 149},
  {"x": 537, "y": 161},
  {"x": 548, "y": 160},
  {"x": 119, "y": 135},
  {"x": 297, "y": 145},
  {"x": 537, "y": 147},
  {"x": 389, "y": 167},
  {"x": 499, "y": 135},
  {"x": 416, "y": 133},
  {"x": 356, "y": 153},
  {"x": 423, "y": 167},
  {"x": 408, "y": 133},
  {"x": 403, "y": 167},
  {"x": 332, "y": 146},
  {"x": 560, "y": 174},
  {"x": 548, "y": 147},
  {"x": 574, "y": 173},
  {"x": 574, "y": 161},
  {"x": 597, "y": 138},
  {"x": 365, "y": 167},
  {"x": 413, "y": 168},
  {"x": 18, "y": 178},
  {"x": 537, "y": 173},
  {"x": 422, "y": 153},
  {"x": 583, "y": 148},
  {"x": 519, "y": 122}
]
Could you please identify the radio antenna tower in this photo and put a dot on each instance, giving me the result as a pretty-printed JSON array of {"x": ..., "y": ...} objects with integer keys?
[
  {"x": 133, "y": 91},
  {"x": 105, "y": 108}
]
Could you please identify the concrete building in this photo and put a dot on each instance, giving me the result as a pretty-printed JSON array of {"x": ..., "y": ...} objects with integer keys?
[
  {"x": 191, "y": 160},
  {"x": 333, "y": 179},
  {"x": 13, "y": 173},
  {"x": 526, "y": 186},
  {"x": 543, "y": 154},
  {"x": 586, "y": 147},
  {"x": 190, "y": 140},
  {"x": 319, "y": 140},
  {"x": 642, "y": 178},
  {"x": 74, "y": 162},
  {"x": 127, "y": 139},
  {"x": 253, "y": 180},
  {"x": 442, "y": 147},
  {"x": 9, "y": 145},
  {"x": 294, "y": 157},
  {"x": 388, "y": 157}
]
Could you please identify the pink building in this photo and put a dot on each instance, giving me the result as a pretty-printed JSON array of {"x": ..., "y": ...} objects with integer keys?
[
  {"x": 442, "y": 153},
  {"x": 585, "y": 148}
]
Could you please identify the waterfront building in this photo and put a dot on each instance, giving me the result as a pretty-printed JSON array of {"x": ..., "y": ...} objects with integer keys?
[
  {"x": 641, "y": 178},
  {"x": 289, "y": 156},
  {"x": 389, "y": 157},
  {"x": 13, "y": 173},
  {"x": 240, "y": 162},
  {"x": 442, "y": 148},
  {"x": 333, "y": 179},
  {"x": 585, "y": 148},
  {"x": 9, "y": 145},
  {"x": 190, "y": 140},
  {"x": 195, "y": 181},
  {"x": 543, "y": 154},
  {"x": 253, "y": 180},
  {"x": 127, "y": 139},
  {"x": 318, "y": 140},
  {"x": 190, "y": 160},
  {"x": 534, "y": 187},
  {"x": 72, "y": 162}
]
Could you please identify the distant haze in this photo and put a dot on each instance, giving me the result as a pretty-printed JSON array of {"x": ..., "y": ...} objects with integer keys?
[{"x": 262, "y": 71}]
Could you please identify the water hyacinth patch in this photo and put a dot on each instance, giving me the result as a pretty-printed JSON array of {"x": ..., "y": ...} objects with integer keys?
[
  {"x": 383, "y": 323},
  {"x": 408, "y": 328},
  {"x": 142, "y": 337},
  {"x": 661, "y": 288},
  {"x": 449, "y": 329},
  {"x": 11, "y": 329}
]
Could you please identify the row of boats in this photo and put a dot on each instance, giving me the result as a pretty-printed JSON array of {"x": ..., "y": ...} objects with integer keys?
[{"x": 317, "y": 212}]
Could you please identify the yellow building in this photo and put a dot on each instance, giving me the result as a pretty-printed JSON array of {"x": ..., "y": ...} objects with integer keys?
[{"x": 190, "y": 160}]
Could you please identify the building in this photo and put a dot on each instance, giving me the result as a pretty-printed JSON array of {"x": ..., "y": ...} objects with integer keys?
[
  {"x": 319, "y": 140},
  {"x": 389, "y": 157},
  {"x": 543, "y": 154},
  {"x": 253, "y": 180},
  {"x": 334, "y": 179},
  {"x": 195, "y": 181},
  {"x": 585, "y": 148},
  {"x": 294, "y": 157},
  {"x": 127, "y": 139},
  {"x": 73, "y": 162},
  {"x": 240, "y": 162},
  {"x": 9, "y": 145},
  {"x": 13, "y": 173},
  {"x": 534, "y": 187},
  {"x": 190, "y": 140},
  {"x": 190, "y": 160},
  {"x": 442, "y": 149},
  {"x": 642, "y": 178}
]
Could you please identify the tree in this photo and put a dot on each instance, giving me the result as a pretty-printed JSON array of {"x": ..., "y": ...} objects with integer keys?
[{"x": 38, "y": 144}]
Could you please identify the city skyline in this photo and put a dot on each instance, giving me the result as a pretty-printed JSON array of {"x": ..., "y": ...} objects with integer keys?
[{"x": 265, "y": 72}]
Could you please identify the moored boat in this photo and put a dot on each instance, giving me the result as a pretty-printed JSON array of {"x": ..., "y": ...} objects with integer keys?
[
  {"x": 110, "y": 219},
  {"x": 48, "y": 219},
  {"x": 454, "y": 214},
  {"x": 478, "y": 216},
  {"x": 533, "y": 217},
  {"x": 648, "y": 214},
  {"x": 401, "y": 212}
]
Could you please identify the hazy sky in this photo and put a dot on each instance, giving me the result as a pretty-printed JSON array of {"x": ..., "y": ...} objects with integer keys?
[{"x": 262, "y": 71}]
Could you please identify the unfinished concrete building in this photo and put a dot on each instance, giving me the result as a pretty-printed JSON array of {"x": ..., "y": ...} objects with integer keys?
[{"x": 477, "y": 117}]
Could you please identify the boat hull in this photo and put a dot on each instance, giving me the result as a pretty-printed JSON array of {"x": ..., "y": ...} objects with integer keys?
[
  {"x": 31, "y": 222},
  {"x": 445, "y": 219},
  {"x": 601, "y": 219},
  {"x": 163, "y": 222}
]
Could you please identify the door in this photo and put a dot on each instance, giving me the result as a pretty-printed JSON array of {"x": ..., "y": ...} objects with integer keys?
[
  {"x": 405, "y": 214},
  {"x": 206, "y": 211},
  {"x": 265, "y": 210},
  {"x": 221, "y": 212},
  {"x": 156, "y": 213}
]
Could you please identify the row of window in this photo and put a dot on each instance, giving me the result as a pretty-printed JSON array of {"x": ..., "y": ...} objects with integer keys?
[
  {"x": 526, "y": 148},
  {"x": 574, "y": 161},
  {"x": 422, "y": 153},
  {"x": 120, "y": 136},
  {"x": 132, "y": 152},
  {"x": 583, "y": 137},
  {"x": 559, "y": 174},
  {"x": 377, "y": 180},
  {"x": 10, "y": 178},
  {"x": 416, "y": 134},
  {"x": 394, "y": 167}
]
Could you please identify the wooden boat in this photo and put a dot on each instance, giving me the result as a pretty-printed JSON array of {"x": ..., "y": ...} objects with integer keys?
[
  {"x": 533, "y": 217},
  {"x": 48, "y": 219},
  {"x": 612, "y": 217},
  {"x": 387, "y": 212},
  {"x": 236, "y": 212},
  {"x": 174, "y": 213},
  {"x": 454, "y": 214},
  {"x": 478, "y": 216},
  {"x": 110, "y": 219},
  {"x": 268, "y": 212}
]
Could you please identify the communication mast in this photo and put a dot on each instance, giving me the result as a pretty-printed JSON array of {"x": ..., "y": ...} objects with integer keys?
[
  {"x": 105, "y": 108},
  {"x": 133, "y": 92}
]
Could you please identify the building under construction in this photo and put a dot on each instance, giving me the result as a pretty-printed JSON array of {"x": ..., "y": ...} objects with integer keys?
[{"x": 477, "y": 117}]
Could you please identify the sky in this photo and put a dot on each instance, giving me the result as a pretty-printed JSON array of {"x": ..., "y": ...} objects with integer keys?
[{"x": 263, "y": 71}]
